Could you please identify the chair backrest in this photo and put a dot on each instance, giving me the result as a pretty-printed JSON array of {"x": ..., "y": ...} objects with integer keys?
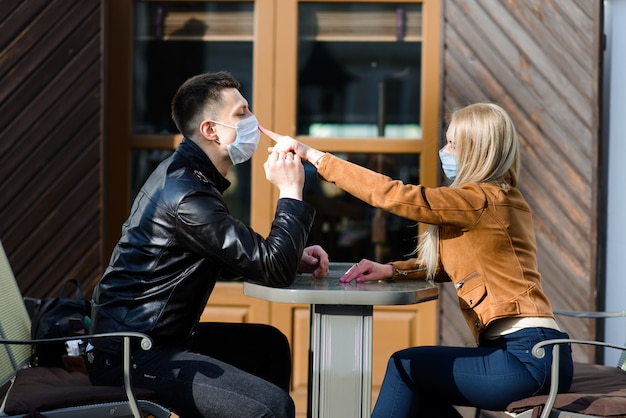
[{"x": 14, "y": 323}]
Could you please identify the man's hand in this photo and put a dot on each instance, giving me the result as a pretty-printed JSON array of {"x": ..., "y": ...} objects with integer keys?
[
  {"x": 285, "y": 171},
  {"x": 314, "y": 260}
]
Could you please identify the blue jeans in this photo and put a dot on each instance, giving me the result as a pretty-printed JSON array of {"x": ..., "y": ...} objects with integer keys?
[
  {"x": 226, "y": 370},
  {"x": 428, "y": 381}
]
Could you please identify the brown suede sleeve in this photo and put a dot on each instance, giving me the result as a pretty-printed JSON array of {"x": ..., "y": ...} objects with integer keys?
[
  {"x": 409, "y": 269},
  {"x": 460, "y": 207},
  {"x": 412, "y": 269}
]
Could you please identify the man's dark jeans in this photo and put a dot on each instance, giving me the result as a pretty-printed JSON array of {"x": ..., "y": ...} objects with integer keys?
[{"x": 227, "y": 370}]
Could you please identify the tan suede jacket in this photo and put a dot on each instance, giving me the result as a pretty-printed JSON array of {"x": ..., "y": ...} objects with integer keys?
[{"x": 487, "y": 242}]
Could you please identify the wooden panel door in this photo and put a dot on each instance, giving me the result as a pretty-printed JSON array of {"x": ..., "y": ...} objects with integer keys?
[
  {"x": 229, "y": 304},
  {"x": 319, "y": 65},
  {"x": 395, "y": 132},
  {"x": 293, "y": 321}
]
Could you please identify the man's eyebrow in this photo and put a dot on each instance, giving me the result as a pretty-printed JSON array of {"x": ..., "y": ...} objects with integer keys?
[{"x": 242, "y": 105}]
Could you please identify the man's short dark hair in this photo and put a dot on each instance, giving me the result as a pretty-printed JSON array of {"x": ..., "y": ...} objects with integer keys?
[{"x": 195, "y": 94}]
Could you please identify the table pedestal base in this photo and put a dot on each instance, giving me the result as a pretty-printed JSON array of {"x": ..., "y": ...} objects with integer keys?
[{"x": 341, "y": 359}]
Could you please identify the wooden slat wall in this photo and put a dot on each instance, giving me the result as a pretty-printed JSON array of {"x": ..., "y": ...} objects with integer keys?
[
  {"x": 51, "y": 74},
  {"x": 541, "y": 61}
]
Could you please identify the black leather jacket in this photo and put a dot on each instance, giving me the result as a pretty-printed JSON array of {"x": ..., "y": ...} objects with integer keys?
[{"x": 178, "y": 241}]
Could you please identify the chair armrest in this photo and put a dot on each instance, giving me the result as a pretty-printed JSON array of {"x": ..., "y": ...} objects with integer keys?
[
  {"x": 146, "y": 344},
  {"x": 146, "y": 341},
  {"x": 539, "y": 352},
  {"x": 598, "y": 315}
]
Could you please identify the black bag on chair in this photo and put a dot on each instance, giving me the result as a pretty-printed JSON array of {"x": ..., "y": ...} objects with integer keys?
[{"x": 59, "y": 317}]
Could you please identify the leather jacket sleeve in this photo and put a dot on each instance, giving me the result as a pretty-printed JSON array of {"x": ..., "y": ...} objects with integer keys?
[{"x": 205, "y": 226}]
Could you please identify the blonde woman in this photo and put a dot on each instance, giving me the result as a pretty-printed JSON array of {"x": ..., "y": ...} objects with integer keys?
[{"x": 480, "y": 236}]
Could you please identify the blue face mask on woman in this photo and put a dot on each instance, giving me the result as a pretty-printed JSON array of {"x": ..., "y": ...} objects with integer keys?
[
  {"x": 247, "y": 140},
  {"x": 448, "y": 163}
]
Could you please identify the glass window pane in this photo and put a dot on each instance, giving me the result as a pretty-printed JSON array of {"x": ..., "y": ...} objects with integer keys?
[
  {"x": 237, "y": 196},
  {"x": 348, "y": 228},
  {"x": 143, "y": 163},
  {"x": 359, "y": 70},
  {"x": 176, "y": 40}
]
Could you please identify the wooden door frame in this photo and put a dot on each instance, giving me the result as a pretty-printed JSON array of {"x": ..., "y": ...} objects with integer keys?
[
  {"x": 274, "y": 103},
  {"x": 118, "y": 114}
]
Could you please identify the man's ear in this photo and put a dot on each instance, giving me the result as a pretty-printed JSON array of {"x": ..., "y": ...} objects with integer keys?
[{"x": 207, "y": 130}]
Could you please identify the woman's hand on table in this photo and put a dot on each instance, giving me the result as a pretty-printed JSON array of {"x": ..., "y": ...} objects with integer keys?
[
  {"x": 315, "y": 261},
  {"x": 367, "y": 270}
]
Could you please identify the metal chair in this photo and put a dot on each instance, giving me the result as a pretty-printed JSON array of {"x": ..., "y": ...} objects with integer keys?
[
  {"x": 597, "y": 390},
  {"x": 29, "y": 391}
]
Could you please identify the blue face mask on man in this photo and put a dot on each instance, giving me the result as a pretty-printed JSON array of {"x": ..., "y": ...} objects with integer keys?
[
  {"x": 448, "y": 163},
  {"x": 247, "y": 140}
]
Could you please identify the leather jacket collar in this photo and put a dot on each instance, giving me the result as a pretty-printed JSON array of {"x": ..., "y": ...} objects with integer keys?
[{"x": 202, "y": 164}]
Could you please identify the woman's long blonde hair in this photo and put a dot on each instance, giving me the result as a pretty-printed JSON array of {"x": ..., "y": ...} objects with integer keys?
[{"x": 487, "y": 151}]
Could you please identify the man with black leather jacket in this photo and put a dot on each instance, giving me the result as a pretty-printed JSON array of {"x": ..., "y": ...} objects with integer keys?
[{"x": 178, "y": 241}]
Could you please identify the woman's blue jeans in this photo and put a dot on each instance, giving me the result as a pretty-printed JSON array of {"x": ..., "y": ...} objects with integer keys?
[{"x": 428, "y": 381}]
